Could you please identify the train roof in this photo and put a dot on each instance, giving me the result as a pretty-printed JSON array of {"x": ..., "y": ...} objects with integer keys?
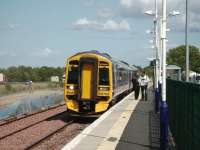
[
  {"x": 106, "y": 55},
  {"x": 95, "y": 52},
  {"x": 173, "y": 67},
  {"x": 133, "y": 67}
]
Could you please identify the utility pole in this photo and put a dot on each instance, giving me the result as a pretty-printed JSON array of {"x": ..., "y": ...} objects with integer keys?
[{"x": 187, "y": 71}]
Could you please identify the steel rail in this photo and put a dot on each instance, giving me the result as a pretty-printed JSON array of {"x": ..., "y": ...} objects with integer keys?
[
  {"x": 48, "y": 136},
  {"x": 31, "y": 125},
  {"x": 11, "y": 120}
]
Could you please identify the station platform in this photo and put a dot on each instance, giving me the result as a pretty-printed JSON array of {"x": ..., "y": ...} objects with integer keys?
[{"x": 129, "y": 125}]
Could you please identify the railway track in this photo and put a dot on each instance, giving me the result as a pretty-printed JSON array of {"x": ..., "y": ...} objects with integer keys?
[
  {"x": 14, "y": 126},
  {"x": 59, "y": 138},
  {"x": 30, "y": 132},
  {"x": 22, "y": 138},
  {"x": 35, "y": 143},
  {"x": 17, "y": 118}
]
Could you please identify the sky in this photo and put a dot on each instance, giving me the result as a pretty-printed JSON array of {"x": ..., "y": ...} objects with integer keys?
[{"x": 46, "y": 32}]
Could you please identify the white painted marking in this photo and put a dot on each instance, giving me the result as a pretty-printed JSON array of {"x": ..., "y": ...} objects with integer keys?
[{"x": 87, "y": 130}]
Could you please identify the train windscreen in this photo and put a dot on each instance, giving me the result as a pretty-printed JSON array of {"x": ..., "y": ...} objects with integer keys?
[
  {"x": 72, "y": 75},
  {"x": 103, "y": 76}
]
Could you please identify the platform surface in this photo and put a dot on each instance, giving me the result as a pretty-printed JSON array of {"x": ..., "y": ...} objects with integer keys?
[{"x": 129, "y": 125}]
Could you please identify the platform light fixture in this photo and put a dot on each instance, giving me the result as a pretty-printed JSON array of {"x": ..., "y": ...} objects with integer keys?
[
  {"x": 174, "y": 13},
  {"x": 149, "y": 12}
]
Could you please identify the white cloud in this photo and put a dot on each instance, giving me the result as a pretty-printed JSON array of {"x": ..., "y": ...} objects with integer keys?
[
  {"x": 13, "y": 26},
  {"x": 84, "y": 23},
  {"x": 10, "y": 26},
  {"x": 5, "y": 53},
  {"x": 88, "y": 2},
  {"x": 48, "y": 51},
  {"x": 136, "y": 8},
  {"x": 193, "y": 18},
  {"x": 45, "y": 52},
  {"x": 105, "y": 13},
  {"x": 109, "y": 25},
  {"x": 126, "y": 3}
]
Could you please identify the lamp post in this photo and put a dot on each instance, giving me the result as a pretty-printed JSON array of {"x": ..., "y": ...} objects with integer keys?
[
  {"x": 164, "y": 106},
  {"x": 186, "y": 43},
  {"x": 160, "y": 48},
  {"x": 157, "y": 58},
  {"x": 161, "y": 61},
  {"x": 155, "y": 39}
]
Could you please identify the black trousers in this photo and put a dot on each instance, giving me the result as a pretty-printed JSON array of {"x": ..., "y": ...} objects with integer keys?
[
  {"x": 137, "y": 91},
  {"x": 144, "y": 92}
]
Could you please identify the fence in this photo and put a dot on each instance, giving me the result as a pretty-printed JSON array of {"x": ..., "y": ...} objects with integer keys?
[{"x": 184, "y": 113}]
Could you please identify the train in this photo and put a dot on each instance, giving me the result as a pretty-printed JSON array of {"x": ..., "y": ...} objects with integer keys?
[{"x": 94, "y": 80}]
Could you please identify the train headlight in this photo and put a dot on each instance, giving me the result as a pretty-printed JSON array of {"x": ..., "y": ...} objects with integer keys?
[
  {"x": 71, "y": 87},
  {"x": 104, "y": 88}
]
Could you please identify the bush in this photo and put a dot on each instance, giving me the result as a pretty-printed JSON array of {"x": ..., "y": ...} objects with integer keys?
[
  {"x": 8, "y": 87},
  {"x": 52, "y": 85},
  {"x": 61, "y": 84},
  {"x": 55, "y": 85}
]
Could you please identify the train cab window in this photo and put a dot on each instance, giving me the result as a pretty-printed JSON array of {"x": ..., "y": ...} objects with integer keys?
[
  {"x": 103, "y": 76},
  {"x": 72, "y": 75},
  {"x": 198, "y": 78}
]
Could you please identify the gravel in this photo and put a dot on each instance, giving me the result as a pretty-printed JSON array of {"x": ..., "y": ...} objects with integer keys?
[
  {"x": 22, "y": 123},
  {"x": 58, "y": 140},
  {"x": 26, "y": 137}
]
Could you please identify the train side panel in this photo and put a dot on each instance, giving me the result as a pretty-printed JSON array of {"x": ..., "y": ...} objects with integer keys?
[{"x": 121, "y": 79}]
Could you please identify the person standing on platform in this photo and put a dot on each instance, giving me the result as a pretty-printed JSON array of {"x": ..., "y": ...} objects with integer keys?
[
  {"x": 136, "y": 86},
  {"x": 143, "y": 81},
  {"x": 30, "y": 88}
]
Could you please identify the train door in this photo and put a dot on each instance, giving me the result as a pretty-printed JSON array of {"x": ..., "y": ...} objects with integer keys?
[{"x": 87, "y": 80}]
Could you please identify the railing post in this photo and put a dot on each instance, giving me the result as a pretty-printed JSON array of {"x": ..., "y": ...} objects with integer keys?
[
  {"x": 164, "y": 126},
  {"x": 157, "y": 99},
  {"x": 160, "y": 93}
]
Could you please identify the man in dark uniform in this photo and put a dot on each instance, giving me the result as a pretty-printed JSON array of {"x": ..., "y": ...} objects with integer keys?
[{"x": 136, "y": 86}]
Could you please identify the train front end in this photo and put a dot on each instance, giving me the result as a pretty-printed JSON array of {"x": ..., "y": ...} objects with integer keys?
[{"x": 88, "y": 86}]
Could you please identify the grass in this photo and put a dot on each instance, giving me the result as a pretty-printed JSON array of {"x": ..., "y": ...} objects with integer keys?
[{"x": 10, "y": 88}]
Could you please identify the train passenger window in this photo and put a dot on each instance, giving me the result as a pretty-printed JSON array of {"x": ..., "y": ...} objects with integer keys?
[
  {"x": 72, "y": 75},
  {"x": 103, "y": 76}
]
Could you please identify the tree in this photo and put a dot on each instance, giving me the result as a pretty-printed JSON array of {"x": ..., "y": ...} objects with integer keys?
[
  {"x": 176, "y": 56},
  {"x": 149, "y": 70},
  {"x": 25, "y": 73}
]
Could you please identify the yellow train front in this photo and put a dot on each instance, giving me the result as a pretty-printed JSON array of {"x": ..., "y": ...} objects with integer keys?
[{"x": 93, "y": 81}]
